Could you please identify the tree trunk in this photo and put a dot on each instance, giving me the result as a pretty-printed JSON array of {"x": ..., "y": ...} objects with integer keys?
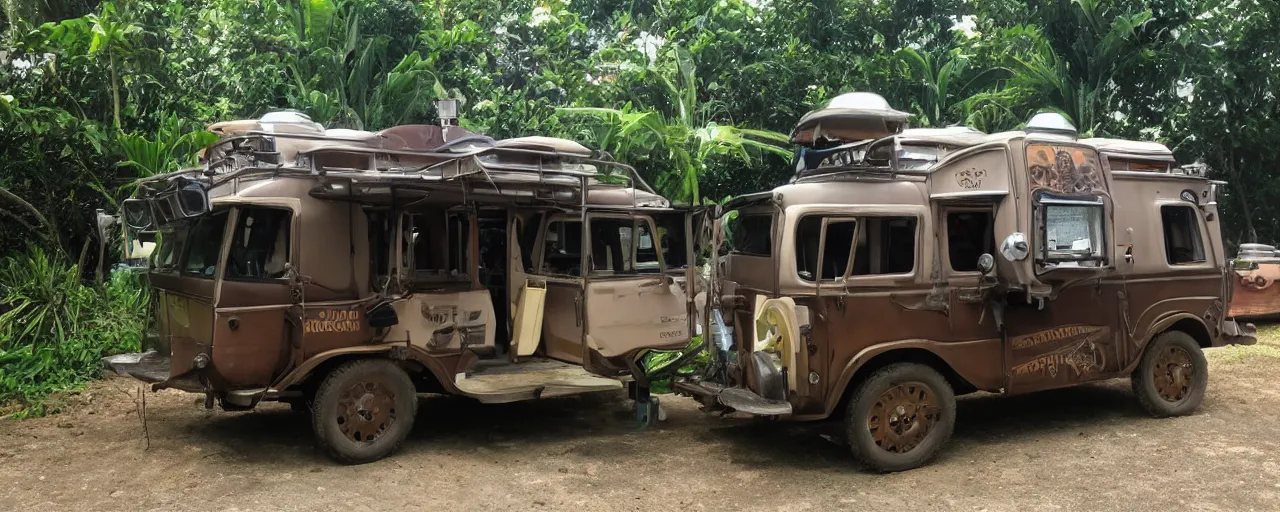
[
  {"x": 102, "y": 257},
  {"x": 34, "y": 212},
  {"x": 115, "y": 88},
  {"x": 1249, "y": 232}
]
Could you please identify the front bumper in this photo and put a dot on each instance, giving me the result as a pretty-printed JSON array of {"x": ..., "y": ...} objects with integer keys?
[{"x": 147, "y": 366}]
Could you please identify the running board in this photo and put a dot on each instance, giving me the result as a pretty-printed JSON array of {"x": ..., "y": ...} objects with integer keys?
[
  {"x": 713, "y": 396},
  {"x": 531, "y": 381},
  {"x": 743, "y": 400}
]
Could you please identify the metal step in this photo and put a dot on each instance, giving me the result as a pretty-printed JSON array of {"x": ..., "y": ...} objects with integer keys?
[
  {"x": 743, "y": 400},
  {"x": 148, "y": 366},
  {"x": 531, "y": 380}
]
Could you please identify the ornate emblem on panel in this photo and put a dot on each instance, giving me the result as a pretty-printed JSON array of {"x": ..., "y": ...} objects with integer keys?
[{"x": 1065, "y": 169}]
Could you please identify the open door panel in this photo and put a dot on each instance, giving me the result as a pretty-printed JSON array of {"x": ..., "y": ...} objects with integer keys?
[{"x": 632, "y": 301}]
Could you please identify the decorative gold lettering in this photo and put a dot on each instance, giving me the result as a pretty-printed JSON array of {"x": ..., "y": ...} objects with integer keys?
[
  {"x": 1070, "y": 332},
  {"x": 333, "y": 320}
]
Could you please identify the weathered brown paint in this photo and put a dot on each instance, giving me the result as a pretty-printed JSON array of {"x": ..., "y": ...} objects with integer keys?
[
  {"x": 269, "y": 334},
  {"x": 1084, "y": 324}
]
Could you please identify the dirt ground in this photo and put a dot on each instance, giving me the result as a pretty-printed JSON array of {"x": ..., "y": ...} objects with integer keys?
[{"x": 1087, "y": 448}]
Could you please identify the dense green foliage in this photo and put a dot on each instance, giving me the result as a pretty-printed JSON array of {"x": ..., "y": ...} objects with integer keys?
[
  {"x": 56, "y": 330},
  {"x": 692, "y": 92}
]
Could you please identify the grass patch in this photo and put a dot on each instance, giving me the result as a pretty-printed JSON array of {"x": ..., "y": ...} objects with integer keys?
[{"x": 1268, "y": 347}]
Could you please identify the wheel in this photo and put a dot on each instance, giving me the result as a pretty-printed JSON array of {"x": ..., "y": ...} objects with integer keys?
[
  {"x": 1172, "y": 377},
  {"x": 899, "y": 417},
  {"x": 363, "y": 410}
]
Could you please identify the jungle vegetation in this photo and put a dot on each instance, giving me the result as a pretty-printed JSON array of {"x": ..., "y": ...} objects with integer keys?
[{"x": 696, "y": 93}]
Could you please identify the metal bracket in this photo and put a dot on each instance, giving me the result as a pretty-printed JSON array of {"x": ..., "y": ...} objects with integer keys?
[{"x": 399, "y": 353}]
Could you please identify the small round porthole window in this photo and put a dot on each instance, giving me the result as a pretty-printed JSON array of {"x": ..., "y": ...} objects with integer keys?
[{"x": 1189, "y": 196}]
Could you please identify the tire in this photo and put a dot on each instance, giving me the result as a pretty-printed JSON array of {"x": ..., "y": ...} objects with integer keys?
[
  {"x": 904, "y": 384},
  {"x": 364, "y": 410},
  {"x": 1161, "y": 382}
]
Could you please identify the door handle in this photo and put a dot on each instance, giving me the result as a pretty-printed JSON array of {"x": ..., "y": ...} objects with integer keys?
[
  {"x": 233, "y": 323},
  {"x": 577, "y": 309}
]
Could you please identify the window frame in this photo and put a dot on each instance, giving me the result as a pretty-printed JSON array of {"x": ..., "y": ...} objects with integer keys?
[
  {"x": 944, "y": 217},
  {"x": 1041, "y": 211},
  {"x": 234, "y": 224},
  {"x": 540, "y": 248},
  {"x": 917, "y": 213},
  {"x": 636, "y": 219},
  {"x": 408, "y": 262},
  {"x": 772, "y": 215},
  {"x": 1197, "y": 218},
  {"x": 827, "y": 221}
]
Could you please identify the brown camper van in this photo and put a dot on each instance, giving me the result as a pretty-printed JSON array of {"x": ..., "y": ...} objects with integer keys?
[
  {"x": 345, "y": 272},
  {"x": 900, "y": 268}
]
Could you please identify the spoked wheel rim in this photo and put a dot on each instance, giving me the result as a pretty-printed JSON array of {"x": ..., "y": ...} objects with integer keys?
[
  {"x": 1173, "y": 374},
  {"x": 903, "y": 416},
  {"x": 366, "y": 410}
]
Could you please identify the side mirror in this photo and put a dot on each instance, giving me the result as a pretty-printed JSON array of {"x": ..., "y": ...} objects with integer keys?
[
  {"x": 1014, "y": 247},
  {"x": 193, "y": 201},
  {"x": 136, "y": 214},
  {"x": 986, "y": 263}
]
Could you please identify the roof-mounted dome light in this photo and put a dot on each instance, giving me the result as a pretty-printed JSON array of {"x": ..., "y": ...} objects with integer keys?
[
  {"x": 285, "y": 116},
  {"x": 289, "y": 121},
  {"x": 861, "y": 100},
  {"x": 1052, "y": 122},
  {"x": 850, "y": 117}
]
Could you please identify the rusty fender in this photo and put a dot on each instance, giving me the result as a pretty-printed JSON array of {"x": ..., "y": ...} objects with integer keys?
[
  {"x": 971, "y": 360},
  {"x": 411, "y": 353}
]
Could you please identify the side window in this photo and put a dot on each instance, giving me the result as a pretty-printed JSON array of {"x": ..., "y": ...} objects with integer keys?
[
  {"x": 435, "y": 245},
  {"x": 259, "y": 244},
  {"x": 970, "y": 234},
  {"x": 623, "y": 246},
  {"x": 751, "y": 234},
  {"x": 1182, "y": 242},
  {"x": 381, "y": 247},
  {"x": 645, "y": 246},
  {"x": 886, "y": 245},
  {"x": 168, "y": 248},
  {"x": 835, "y": 248},
  {"x": 528, "y": 233},
  {"x": 1071, "y": 232},
  {"x": 671, "y": 240},
  {"x": 204, "y": 245},
  {"x": 562, "y": 248},
  {"x": 459, "y": 229}
]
